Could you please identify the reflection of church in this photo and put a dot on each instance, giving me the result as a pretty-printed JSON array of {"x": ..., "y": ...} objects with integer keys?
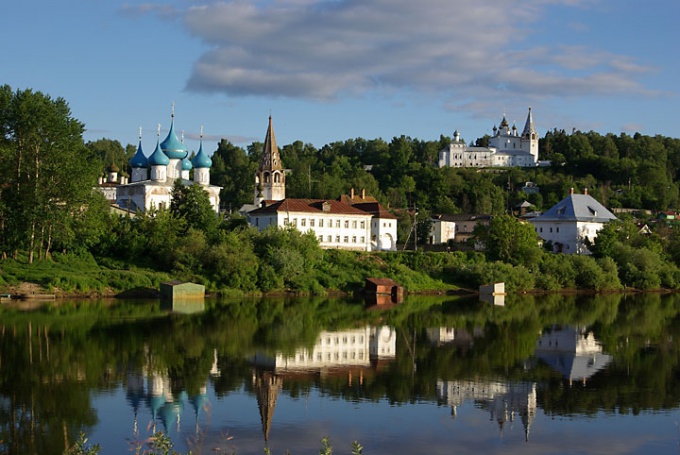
[
  {"x": 154, "y": 390},
  {"x": 572, "y": 351},
  {"x": 350, "y": 352},
  {"x": 503, "y": 400}
]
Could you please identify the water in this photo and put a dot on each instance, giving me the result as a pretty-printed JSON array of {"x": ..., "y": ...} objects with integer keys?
[{"x": 549, "y": 374}]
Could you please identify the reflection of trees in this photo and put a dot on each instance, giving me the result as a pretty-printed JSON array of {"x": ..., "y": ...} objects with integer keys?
[{"x": 50, "y": 361}]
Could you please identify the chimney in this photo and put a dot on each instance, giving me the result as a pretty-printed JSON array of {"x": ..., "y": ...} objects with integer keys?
[
  {"x": 363, "y": 193},
  {"x": 571, "y": 190},
  {"x": 351, "y": 193},
  {"x": 585, "y": 190}
]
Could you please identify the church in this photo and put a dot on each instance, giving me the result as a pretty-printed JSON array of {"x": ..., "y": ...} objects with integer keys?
[
  {"x": 152, "y": 178},
  {"x": 506, "y": 148},
  {"x": 358, "y": 222}
]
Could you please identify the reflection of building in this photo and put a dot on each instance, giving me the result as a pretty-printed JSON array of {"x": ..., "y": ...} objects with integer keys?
[
  {"x": 267, "y": 386},
  {"x": 503, "y": 400},
  {"x": 352, "y": 347},
  {"x": 155, "y": 389},
  {"x": 572, "y": 351},
  {"x": 452, "y": 335}
]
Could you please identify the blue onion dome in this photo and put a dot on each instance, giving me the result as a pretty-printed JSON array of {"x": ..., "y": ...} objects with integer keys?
[
  {"x": 201, "y": 160},
  {"x": 158, "y": 158},
  {"x": 186, "y": 164},
  {"x": 139, "y": 160},
  {"x": 172, "y": 146}
]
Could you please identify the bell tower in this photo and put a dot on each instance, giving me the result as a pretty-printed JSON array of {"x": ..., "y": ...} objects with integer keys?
[{"x": 270, "y": 179}]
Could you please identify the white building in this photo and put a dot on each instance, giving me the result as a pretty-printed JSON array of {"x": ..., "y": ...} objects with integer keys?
[
  {"x": 442, "y": 230},
  {"x": 506, "y": 148},
  {"x": 336, "y": 225},
  {"x": 168, "y": 163},
  {"x": 569, "y": 222},
  {"x": 357, "y": 222}
]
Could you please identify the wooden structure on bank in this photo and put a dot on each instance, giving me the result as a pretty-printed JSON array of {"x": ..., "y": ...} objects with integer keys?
[
  {"x": 182, "y": 296},
  {"x": 383, "y": 291}
]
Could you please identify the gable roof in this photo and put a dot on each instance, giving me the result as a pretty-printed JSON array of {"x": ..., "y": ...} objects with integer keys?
[
  {"x": 312, "y": 206},
  {"x": 577, "y": 207}
]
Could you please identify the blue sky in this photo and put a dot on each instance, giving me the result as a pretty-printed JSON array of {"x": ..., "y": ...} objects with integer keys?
[{"x": 331, "y": 70}]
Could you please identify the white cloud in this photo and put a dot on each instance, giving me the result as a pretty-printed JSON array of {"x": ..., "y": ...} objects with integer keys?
[{"x": 462, "y": 50}]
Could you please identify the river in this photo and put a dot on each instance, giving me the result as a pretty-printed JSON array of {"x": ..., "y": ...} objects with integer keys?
[{"x": 539, "y": 374}]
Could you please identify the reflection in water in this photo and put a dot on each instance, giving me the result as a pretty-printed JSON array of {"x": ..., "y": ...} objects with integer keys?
[
  {"x": 101, "y": 369},
  {"x": 353, "y": 347},
  {"x": 503, "y": 400},
  {"x": 572, "y": 351}
]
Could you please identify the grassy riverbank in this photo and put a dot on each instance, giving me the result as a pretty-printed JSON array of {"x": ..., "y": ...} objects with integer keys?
[{"x": 334, "y": 271}]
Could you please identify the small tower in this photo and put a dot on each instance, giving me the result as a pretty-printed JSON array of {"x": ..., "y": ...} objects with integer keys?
[
  {"x": 530, "y": 137},
  {"x": 139, "y": 163},
  {"x": 112, "y": 172},
  {"x": 201, "y": 164},
  {"x": 159, "y": 161},
  {"x": 270, "y": 180}
]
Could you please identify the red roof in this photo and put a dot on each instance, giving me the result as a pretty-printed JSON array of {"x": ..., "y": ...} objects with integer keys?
[
  {"x": 375, "y": 209},
  {"x": 315, "y": 206}
]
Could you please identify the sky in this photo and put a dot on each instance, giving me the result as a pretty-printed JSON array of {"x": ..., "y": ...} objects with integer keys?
[{"x": 332, "y": 70}]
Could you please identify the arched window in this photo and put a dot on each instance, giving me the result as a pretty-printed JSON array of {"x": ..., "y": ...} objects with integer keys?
[
  {"x": 266, "y": 177},
  {"x": 277, "y": 177}
]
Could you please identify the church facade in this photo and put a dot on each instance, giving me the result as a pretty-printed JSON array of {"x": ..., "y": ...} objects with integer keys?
[
  {"x": 152, "y": 177},
  {"x": 352, "y": 223},
  {"x": 506, "y": 148}
]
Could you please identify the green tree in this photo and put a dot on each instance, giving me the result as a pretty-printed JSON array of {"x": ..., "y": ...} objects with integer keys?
[
  {"x": 47, "y": 172},
  {"x": 509, "y": 240}
]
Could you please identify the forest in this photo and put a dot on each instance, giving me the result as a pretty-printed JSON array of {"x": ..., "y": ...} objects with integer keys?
[{"x": 46, "y": 212}]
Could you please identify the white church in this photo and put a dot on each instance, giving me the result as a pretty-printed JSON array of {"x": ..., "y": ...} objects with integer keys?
[
  {"x": 152, "y": 177},
  {"x": 355, "y": 222},
  {"x": 506, "y": 148}
]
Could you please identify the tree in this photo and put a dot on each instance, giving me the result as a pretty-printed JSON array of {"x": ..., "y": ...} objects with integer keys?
[
  {"x": 192, "y": 204},
  {"x": 47, "y": 172},
  {"x": 509, "y": 240}
]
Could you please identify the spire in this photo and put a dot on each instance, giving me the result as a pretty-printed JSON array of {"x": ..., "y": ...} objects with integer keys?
[
  {"x": 529, "y": 128},
  {"x": 271, "y": 160}
]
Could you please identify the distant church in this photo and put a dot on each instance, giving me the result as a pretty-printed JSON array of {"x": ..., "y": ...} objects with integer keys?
[
  {"x": 358, "y": 222},
  {"x": 167, "y": 163},
  {"x": 506, "y": 148}
]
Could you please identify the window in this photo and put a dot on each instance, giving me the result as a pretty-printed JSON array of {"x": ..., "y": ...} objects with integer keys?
[
  {"x": 354, "y": 239},
  {"x": 346, "y": 224},
  {"x": 551, "y": 230},
  {"x": 557, "y": 229},
  {"x": 321, "y": 239},
  {"x": 363, "y": 239},
  {"x": 286, "y": 221},
  {"x": 320, "y": 222},
  {"x": 337, "y": 239},
  {"x": 337, "y": 223},
  {"x": 346, "y": 239},
  {"x": 354, "y": 224},
  {"x": 303, "y": 222},
  {"x": 295, "y": 222},
  {"x": 363, "y": 225},
  {"x": 311, "y": 222},
  {"x": 330, "y": 238}
]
